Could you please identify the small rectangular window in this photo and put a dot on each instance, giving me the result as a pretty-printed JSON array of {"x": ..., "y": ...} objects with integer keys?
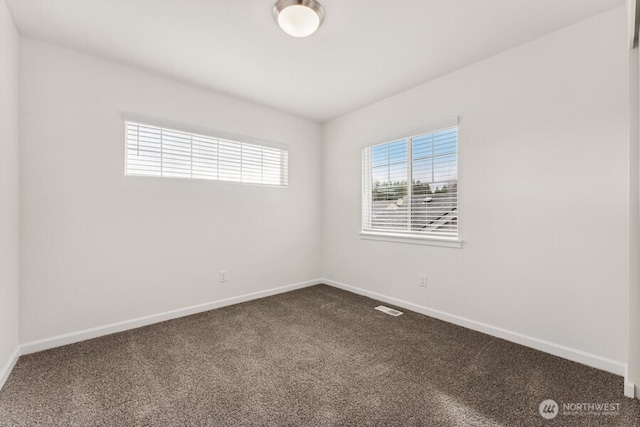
[
  {"x": 160, "y": 151},
  {"x": 410, "y": 185}
]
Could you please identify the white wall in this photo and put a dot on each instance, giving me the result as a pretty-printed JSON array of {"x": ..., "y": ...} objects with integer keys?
[
  {"x": 98, "y": 247},
  {"x": 543, "y": 192},
  {"x": 634, "y": 221},
  {"x": 9, "y": 198}
]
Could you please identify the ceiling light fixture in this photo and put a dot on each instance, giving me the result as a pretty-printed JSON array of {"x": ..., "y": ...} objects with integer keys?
[{"x": 298, "y": 18}]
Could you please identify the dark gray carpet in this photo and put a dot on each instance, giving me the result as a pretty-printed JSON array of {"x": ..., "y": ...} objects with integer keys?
[{"x": 314, "y": 357}]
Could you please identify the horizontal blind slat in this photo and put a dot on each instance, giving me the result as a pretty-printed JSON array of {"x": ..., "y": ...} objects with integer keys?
[{"x": 160, "y": 151}]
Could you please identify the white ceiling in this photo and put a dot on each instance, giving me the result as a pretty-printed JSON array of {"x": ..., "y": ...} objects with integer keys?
[{"x": 365, "y": 51}]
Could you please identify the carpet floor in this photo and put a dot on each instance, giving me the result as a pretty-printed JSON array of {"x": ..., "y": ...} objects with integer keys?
[{"x": 318, "y": 356}]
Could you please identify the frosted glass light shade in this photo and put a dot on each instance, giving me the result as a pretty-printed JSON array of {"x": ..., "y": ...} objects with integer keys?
[{"x": 298, "y": 18}]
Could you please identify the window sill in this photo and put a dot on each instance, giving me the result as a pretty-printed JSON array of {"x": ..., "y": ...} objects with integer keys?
[{"x": 414, "y": 240}]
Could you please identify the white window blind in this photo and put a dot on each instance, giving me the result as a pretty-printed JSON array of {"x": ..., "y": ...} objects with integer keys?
[
  {"x": 410, "y": 185},
  {"x": 163, "y": 152}
]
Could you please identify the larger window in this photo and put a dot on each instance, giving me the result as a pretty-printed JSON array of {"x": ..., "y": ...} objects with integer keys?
[
  {"x": 167, "y": 152},
  {"x": 410, "y": 185}
]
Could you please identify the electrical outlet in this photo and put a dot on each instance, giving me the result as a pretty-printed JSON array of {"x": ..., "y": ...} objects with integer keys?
[
  {"x": 423, "y": 280},
  {"x": 223, "y": 276}
]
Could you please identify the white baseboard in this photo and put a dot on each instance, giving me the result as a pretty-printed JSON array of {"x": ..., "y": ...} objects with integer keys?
[
  {"x": 559, "y": 350},
  {"x": 629, "y": 389},
  {"x": 8, "y": 366},
  {"x": 74, "y": 337}
]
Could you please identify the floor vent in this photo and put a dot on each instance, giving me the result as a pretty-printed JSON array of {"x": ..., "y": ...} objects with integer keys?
[{"x": 388, "y": 310}]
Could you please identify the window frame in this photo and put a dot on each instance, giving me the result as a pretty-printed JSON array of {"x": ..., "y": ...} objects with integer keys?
[
  {"x": 408, "y": 237},
  {"x": 208, "y": 133}
]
